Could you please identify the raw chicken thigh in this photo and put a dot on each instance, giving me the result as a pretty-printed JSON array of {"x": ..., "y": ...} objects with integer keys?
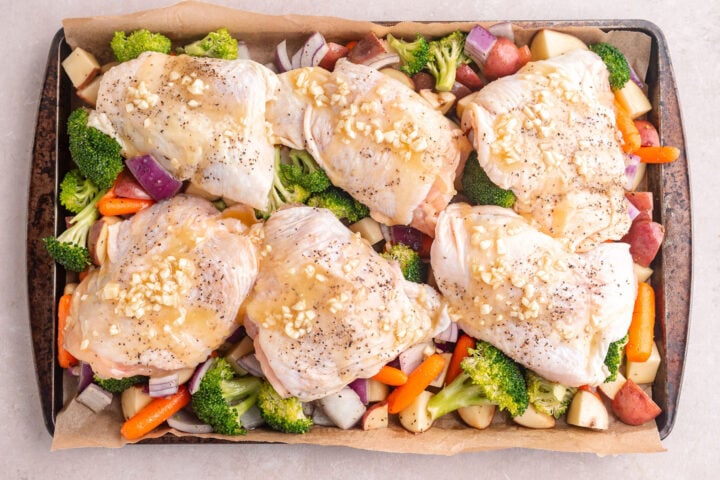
[
  {"x": 169, "y": 292},
  {"x": 553, "y": 311},
  {"x": 548, "y": 134},
  {"x": 374, "y": 137},
  {"x": 327, "y": 309},
  {"x": 203, "y": 119}
]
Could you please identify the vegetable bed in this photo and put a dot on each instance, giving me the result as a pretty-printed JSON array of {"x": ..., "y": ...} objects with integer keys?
[{"x": 671, "y": 280}]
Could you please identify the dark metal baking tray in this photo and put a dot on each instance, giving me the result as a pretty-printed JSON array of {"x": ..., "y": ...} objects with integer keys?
[{"x": 669, "y": 184}]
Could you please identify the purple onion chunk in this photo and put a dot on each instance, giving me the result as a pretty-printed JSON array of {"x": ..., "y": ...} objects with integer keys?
[
  {"x": 153, "y": 177},
  {"x": 282, "y": 60},
  {"x": 359, "y": 385},
  {"x": 478, "y": 44},
  {"x": 200, "y": 371}
]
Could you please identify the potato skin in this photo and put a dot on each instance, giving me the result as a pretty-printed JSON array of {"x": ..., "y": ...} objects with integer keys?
[
  {"x": 633, "y": 406},
  {"x": 648, "y": 133}
]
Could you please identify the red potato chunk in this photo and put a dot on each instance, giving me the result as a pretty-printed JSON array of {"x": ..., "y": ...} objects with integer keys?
[
  {"x": 649, "y": 136},
  {"x": 423, "y": 81},
  {"x": 645, "y": 238},
  {"x": 467, "y": 76},
  {"x": 643, "y": 201},
  {"x": 335, "y": 53},
  {"x": 633, "y": 406},
  {"x": 503, "y": 59},
  {"x": 367, "y": 47}
]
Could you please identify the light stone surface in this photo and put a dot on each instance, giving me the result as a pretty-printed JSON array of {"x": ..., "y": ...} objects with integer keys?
[{"x": 693, "y": 35}]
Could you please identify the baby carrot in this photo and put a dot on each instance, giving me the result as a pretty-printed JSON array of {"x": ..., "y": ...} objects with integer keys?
[
  {"x": 658, "y": 154},
  {"x": 464, "y": 343},
  {"x": 417, "y": 381},
  {"x": 642, "y": 326},
  {"x": 155, "y": 413},
  {"x": 391, "y": 376},
  {"x": 110, "y": 206},
  {"x": 630, "y": 133},
  {"x": 65, "y": 358}
]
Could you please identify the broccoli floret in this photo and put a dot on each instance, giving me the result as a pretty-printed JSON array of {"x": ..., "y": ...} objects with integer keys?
[
  {"x": 223, "y": 397},
  {"x": 119, "y": 385},
  {"x": 414, "y": 55},
  {"x": 461, "y": 392},
  {"x": 480, "y": 190},
  {"x": 305, "y": 172},
  {"x": 70, "y": 248},
  {"x": 217, "y": 44},
  {"x": 445, "y": 55},
  {"x": 501, "y": 378},
  {"x": 614, "y": 357},
  {"x": 548, "y": 397},
  {"x": 76, "y": 192},
  {"x": 282, "y": 191},
  {"x": 96, "y": 154},
  {"x": 616, "y": 63},
  {"x": 413, "y": 268},
  {"x": 340, "y": 203},
  {"x": 126, "y": 47},
  {"x": 282, "y": 414}
]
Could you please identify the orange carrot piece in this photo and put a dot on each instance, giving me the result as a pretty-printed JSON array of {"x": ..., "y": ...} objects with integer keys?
[
  {"x": 110, "y": 206},
  {"x": 630, "y": 134},
  {"x": 351, "y": 44},
  {"x": 82, "y": 275},
  {"x": 464, "y": 343},
  {"x": 658, "y": 154},
  {"x": 155, "y": 413},
  {"x": 391, "y": 376},
  {"x": 65, "y": 358},
  {"x": 400, "y": 398},
  {"x": 642, "y": 326}
]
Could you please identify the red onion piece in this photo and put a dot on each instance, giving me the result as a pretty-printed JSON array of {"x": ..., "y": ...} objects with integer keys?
[
  {"x": 408, "y": 236},
  {"x": 194, "y": 382},
  {"x": 636, "y": 80},
  {"x": 383, "y": 60},
  {"x": 185, "y": 421},
  {"x": 251, "y": 364},
  {"x": 163, "y": 386},
  {"x": 85, "y": 376},
  {"x": 359, "y": 385},
  {"x": 412, "y": 357},
  {"x": 282, "y": 60},
  {"x": 314, "y": 49},
  {"x": 237, "y": 335},
  {"x": 631, "y": 170},
  {"x": 252, "y": 418},
  {"x": 503, "y": 29},
  {"x": 450, "y": 334},
  {"x": 95, "y": 398},
  {"x": 633, "y": 211},
  {"x": 478, "y": 44},
  {"x": 445, "y": 347},
  {"x": 153, "y": 177}
]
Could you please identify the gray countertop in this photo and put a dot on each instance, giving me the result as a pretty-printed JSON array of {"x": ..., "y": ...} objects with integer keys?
[{"x": 693, "y": 37}]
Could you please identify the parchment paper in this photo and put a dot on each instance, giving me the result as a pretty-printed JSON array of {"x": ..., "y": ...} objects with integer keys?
[{"x": 76, "y": 426}]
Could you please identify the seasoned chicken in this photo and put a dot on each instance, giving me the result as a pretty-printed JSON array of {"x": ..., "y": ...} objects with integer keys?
[
  {"x": 548, "y": 134},
  {"x": 327, "y": 309},
  {"x": 168, "y": 293},
  {"x": 203, "y": 119},
  {"x": 553, "y": 311},
  {"x": 374, "y": 137}
]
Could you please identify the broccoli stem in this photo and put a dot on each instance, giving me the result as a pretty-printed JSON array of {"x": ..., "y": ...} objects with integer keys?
[
  {"x": 80, "y": 224},
  {"x": 461, "y": 392}
]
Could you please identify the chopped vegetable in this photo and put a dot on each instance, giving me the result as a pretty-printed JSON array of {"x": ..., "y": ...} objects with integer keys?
[
  {"x": 664, "y": 154},
  {"x": 616, "y": 64},
  {"x": 340, "y": 203},
  {"x": 462, "y": 350},
  {"x": 641, "y": 333},
  {"x": 391, "y": 376},
  {"x": 65, "y": 358},
  {"x": 110, "y": 205},
  {"x": 282, "y": 414},
  {"x": 153, "y": 177},
  {"x": 630, "y": 134},
  {"x": 414, "y": 55},
  {"x": 445, "y": 55},
  {"x": 154, "y": 414},
  {"x": 126, "y": 47},
  {"x": 412, "y": 267},
  {"x": 417, "y": 381},
  {"x": 69, "y": 249},
  {"x": 614, "y": 357},
  {"x": 217, "y": 44},
  {"x": 480, "y": 190},
  {"x": 96, "y": 154},
  {"x": 119, "y": 385},
  {"x": 76, "y": 192},
  {"x": 550, "y": 398}
]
